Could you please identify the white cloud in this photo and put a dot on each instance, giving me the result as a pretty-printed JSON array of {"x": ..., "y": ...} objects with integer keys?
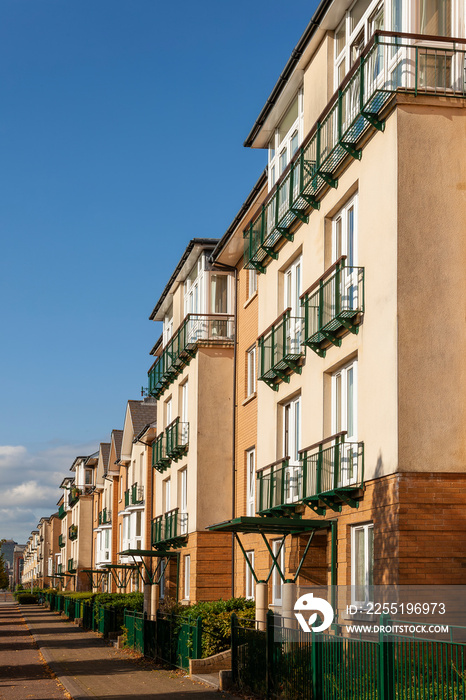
[{"x": 30, "y": 484}]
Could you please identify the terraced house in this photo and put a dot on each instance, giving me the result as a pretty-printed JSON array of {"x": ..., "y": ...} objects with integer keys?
[
  {"x": 191, "y": 379},
  {"x": 350, "y": 455}
]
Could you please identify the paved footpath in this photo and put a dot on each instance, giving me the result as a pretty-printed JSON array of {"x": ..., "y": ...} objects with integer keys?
[{"x": 36, "y": 645}]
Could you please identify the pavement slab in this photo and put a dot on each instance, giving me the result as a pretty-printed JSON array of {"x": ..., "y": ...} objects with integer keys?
[{"x": 86, "y": 665}]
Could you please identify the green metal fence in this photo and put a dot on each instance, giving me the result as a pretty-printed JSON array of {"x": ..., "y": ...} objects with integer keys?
[{"x": 290, "y": 664}]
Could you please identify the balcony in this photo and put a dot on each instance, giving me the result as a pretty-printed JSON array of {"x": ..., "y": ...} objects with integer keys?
[
  {"x": 390, "y": 63},
  {"x": 333, "y": 305},
  {"x": 181, "y": 348},
  {"x": 170, "y": 530},
  {"x": 280, "y": 350},
  {"x": 60, "y": 569},
  {"x": 72, "y": 566},
  {"x": 177, "y": 439},
  {"x": 61, "y": 511},
  {"x": 61, "y": 541},
  {"x": 137, "y": 494},
  {"x": 326, "y": 477},
  {"x": 127, "y": 497},
  {"x": 160, "y": 461},
  {"x": 74, "y": 496},
  {"x": 105, "y": 517},
  {"x": 73, "y": 532}
]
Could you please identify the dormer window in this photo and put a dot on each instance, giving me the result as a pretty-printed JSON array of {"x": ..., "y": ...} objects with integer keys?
[
  {"x": 88, "y": 477},
  {"x": 355, "y": 30},
  {"x": 286, "y": 139}
]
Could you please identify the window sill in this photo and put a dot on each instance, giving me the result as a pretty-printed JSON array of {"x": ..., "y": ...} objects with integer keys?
[
  {"x": 250, "y": 300},
  {"x": 249, "y": 399}
]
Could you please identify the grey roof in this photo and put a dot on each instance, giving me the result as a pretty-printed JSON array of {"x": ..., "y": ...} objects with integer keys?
[
  {"x": 105, "y": 449},
  {"x": 143, "y": 413},
  {"x": 117, "y": 436}
]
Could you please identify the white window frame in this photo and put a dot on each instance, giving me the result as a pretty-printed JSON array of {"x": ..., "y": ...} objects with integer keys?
[
  {"x": 252, "y": 283},
  {"x": 249, "y": 578},
  {"x": 168, "y": 411},
  {"x": 292, "y": 288},
  {"x": 368, "y": 565},
  {"x": 251, "y": 482},
  {"x": 341, "y": 400},
  {"x": 183, "y": 495},
  {"x": 194, "y": 301},
  {"x": 187, "y": 576},
  {"x": 184, "y": 413},
  {"x": 277, "y": 583},
  {"x": 345, "y": 232},
  {"x": 277, "y": 164},
  {"x": 291, "y": 447},
  {"x": 167, "y": 494},
  {"x": 251, "y": 371}
]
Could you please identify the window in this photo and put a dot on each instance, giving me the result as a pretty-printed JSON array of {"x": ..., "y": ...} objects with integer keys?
[
  {"x": 291, "y": 446},
  {"x": 138, "y": 529},
  {"x": 292, "y": 290},
  {"x": 249, "y": 588},
  {"x": 286, "y": 139},
  {"x": 435, "y": 17},
  {"x": 279, "y": 553},
  {"x": 251, "y": 371},
  {"x": 345, "y": 242},
  {"x": 252, "y": 283},
  {"x": 184, "y": 414},
  {"x": 193, "y": 289},
  {"x": 88, "y": 477},
  {"x": 168, "y": 325},
  {"x": 183, "y": 502},
  {"x": 218, "y": 293},
  {"x": 166, "y": 488},
  {"x": 168, "y": 412},
  {"x": 351, "y": 36},
  {"x": 251, "y": 481},
  {"x": 344, "y": 418},
  {"x": 187, "y": 576},
  {"x": 362, "y": 564}
]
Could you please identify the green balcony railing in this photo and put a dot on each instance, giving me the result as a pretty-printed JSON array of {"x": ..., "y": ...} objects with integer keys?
[
  {"x": 324, "y": 477},
  {"x": 333, "y": 304},
  {"x": 105, "y": 517},
  {"x": 72, "y": 566},
  {"x": 170, "y": 529},
  {"x": 183, "y": 345},
  {"x": 280, "y": 348},
  {"x": 74, "y": 496},
  {"x": 390, "y": 63},
  {"x": 60, "y": 569},
  {"x": 127, "y": 497},
  {"x": 177, "y": 440},
  {"x": 137, "y": 494},
  {"x": 61, "y": 511},
  {"x": 61, "y": 541},
  {"x": 160, "y": 460},
  {"x": 73, "y": 532}
]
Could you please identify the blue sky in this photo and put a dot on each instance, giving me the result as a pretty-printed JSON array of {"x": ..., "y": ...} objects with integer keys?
[{"x": 121, "y": 132}]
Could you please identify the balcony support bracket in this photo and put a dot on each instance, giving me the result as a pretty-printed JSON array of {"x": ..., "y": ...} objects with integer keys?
[
  {"x": 257, "y": 266},
  {"x": 347, "y": 499},
  {"x": 331, "y": 338},
  {"x": 285, "y": 233},
  {"x": 374, "y": 121},
  {"x": 327, "y": 177},
  {"x": 330, "y": 504},
  {"x": 312, "y": 201},
  {"x": 349, "y": 148},
  {"x": 299, "y": 215},
  {"x": 318, "y": 510},
  {"x": 349, "y": 325},
  {"x": 270, "y": 252}
]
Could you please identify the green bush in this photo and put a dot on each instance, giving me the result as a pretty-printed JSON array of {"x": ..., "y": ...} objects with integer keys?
[
  {"x": 121, "y": 602},
  {"x": 26, "y": 598}
]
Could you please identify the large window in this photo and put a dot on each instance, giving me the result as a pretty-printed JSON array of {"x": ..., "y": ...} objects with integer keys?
[
  {"x": 286, "y": 140},
  {"x": 353, "y": 33},
  {"x": 362, "y": 564},
  {"x": 251, "y": 481},
  {"x": 291, "y": 447},
  {"x": 187, "y": 576},
  {"x": 183, "y": 500},
  {"x": 435, "y": 17},
  {"x": 249, "y": 592},
  {"x": 292, "y": 277},
  {"x": 166, "y": 494},
  {"x": 194, "y": 288},
  {"x": 278, "y": 551},
  {"x": 344, "y": 418},
  {"x": 251, "y": 371}
]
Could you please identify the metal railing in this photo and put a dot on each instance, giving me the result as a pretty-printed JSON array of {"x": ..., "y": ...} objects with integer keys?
[
  {"x": 322, "y": 471},
  {"x": 61, "y": 511},
  {"x": 280, "y": 348},
  {"x": 61, "y": 541},
  {"x": 137, "y": 494},
  {"x": 177, "y": 439},
  {"x": 170, "y": 528},
  {"x": 333, "y": 303},
  {"x": 183, "y": 345},
  {"x": 73, "y": 532},
  {"x": 160, "y": 461},
  {"x": 72, "y": 566},
  {"x": 105, "y": 516},
  {"x": 127, "y": 497},
  {"x": 74, "y": 496},
  {"x": 391, "y": 62}
]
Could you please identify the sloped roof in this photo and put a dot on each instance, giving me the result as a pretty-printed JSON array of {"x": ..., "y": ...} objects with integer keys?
[
  {"x": 142, "y": 413},
  {"x": 117, "y": 437}
]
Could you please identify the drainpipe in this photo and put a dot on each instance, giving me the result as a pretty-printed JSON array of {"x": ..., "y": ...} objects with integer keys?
[{"x": 333, "y": 561}]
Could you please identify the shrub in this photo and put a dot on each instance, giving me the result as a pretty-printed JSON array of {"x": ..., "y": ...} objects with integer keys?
[{"x": 26, "y": 598}]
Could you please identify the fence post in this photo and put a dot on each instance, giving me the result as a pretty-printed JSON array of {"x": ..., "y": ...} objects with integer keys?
[
  {"x": 234, "y": 649},
  {"x": 385, "y": 676},
  {"x": 197, "y": 641},
  {"x": 317, "y": 670},
  {"x": 269, "y": 631}
]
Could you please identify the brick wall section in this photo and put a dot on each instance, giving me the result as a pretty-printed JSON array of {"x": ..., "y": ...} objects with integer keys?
[{"x": 419, "y": 535}]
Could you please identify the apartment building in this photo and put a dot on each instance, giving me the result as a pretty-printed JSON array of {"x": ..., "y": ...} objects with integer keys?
[
  {"x": 350, "y": 455},
  {"x": 135, "y": 493},
  {"x": 102, "y": 521},
  {"x": 49, "y": 531},
  {"x": 30, "y": 573},
  {"x": 192, "y": 380}
]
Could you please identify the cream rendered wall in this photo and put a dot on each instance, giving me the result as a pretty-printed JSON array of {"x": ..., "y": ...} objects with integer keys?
[
  {"x": 375, "y": 179},
  {"x": 318, "y": 83},
  {"x": 432, "y": 285}
]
